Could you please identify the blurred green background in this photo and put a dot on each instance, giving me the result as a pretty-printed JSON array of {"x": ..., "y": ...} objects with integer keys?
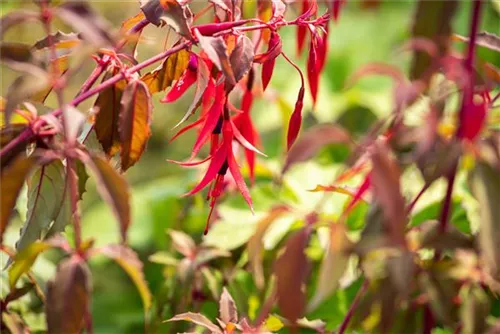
[{"x": 363, "y": 34}]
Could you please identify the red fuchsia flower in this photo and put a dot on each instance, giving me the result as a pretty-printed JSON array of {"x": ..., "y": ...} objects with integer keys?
[
  {"x": 222, "y": 160},
  {"x": 243, "y": 123},
  {"x": 336, "y": 6},
  {"x": 268, "y": 59},
  {"x": 473, "y": 115}
]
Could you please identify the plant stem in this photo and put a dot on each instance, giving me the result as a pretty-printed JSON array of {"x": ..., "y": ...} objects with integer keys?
[
  {"x": 362, "y": 290},
  {"x": 415, "y": 200}
]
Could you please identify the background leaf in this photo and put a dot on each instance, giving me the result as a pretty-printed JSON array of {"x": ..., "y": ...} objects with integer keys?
[
  {"x": 170, "y": 70},
  {"x": 68, "y": 296}
]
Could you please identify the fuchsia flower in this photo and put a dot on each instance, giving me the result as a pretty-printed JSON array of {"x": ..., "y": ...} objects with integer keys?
[
  {"x": 222, "y": 160},
  {"x": 474, "y": 115}
]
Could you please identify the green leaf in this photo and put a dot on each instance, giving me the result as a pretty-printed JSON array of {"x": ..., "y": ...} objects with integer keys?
[
  {"x": 216, "y": 50},
  {"x": 485, "y": 184},
  {"x": 170, "y": 70},
  {"x": 113, "y": 188},
  {"x": 134, "y": 124},
  {"x": 23, "y": 261},
  {"x": 163, "y": 258},
  {"x": 11, "y": 182},
  {"x": 108, "y": 110},
  {"x": 48, "y": 199},
  {"x": 68, "y": 296},
  {"x": 333, "y": 265},
  {"x": 242, "y": 57},
  {"x": 169, "y": 12},
  {"x": 128, "y": 260},
  {"x": 432, "y": 21}
]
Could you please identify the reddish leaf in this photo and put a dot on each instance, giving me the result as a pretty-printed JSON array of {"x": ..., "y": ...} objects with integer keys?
[
  {"x": 242, "y": 57},
  {"x": 385, "y": 177},
  {"x": 134, "y": 123},
  {"x": 68, "y": 296},
  {"x": 295, "y": 119},
  {"x": 313, "y": 140},
  {"x": 291, "y": 271},
  {"x": 170, "y": 70},
  {"x": 183, "y": 243},
  {"x": 484, "y": 39},
  {"x": 130, "y": 263},
  {"x": 107, "y": 118},
  {"x": 228, "y": 312},
  {"x": 216, "y": 50},
  {"x": 132, "y": 40},
  {"x": 12, "y": 180},
  {"x": 197, "y": 319},
  {"x": 113, "y": 189},
  {"x": 170, "y": 12}
]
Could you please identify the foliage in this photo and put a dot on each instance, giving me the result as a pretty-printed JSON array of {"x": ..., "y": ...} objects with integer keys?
[{"x": 403, "y": 238}]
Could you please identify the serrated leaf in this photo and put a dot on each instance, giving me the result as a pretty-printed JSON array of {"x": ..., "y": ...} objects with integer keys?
[
  {"x": 113, "y": 189},
  {"x": 216, "y": 50},
  {"x": 170, "y": 70},
  {"x": 128, "y": 260},
  {"x": 333, "y": 265},
  {"x": 485, "y": 184},
  {"x": 85, "y": 20},
  {"x": 227, "y": 308},
  {"x": 47, "y": 196},
  {"x": 23, "y": 261},
  {"x": 432, "y": 21},
  {"x": 106, "y": 120},
  {"x": 242, "y": 57},
  {"x": 170, "y": 12},
  {"x": 8, "y": 20},
  {"x": 11, "y": 182},
  {"x": 313, "y": 140},
  {"x": 197, "y": 319},
  {"x": 255, "y": 244},
  {"x": 291, "y": 270},
  {"x": 134, "y": 122},
  {"x": 68, "y": 296}
]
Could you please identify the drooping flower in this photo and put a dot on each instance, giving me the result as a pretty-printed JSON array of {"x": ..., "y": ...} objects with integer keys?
[
  {"x": 187, "y": 79},
  {"x": 473, "y": 115},
  {"x": 221, "y": 161}
]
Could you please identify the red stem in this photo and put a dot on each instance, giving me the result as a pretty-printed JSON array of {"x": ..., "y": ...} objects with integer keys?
[{"x": 362, "y": 290}]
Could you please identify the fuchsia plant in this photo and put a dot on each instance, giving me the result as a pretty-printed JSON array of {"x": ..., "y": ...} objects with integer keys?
[{"x": 231, "y": 57}]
